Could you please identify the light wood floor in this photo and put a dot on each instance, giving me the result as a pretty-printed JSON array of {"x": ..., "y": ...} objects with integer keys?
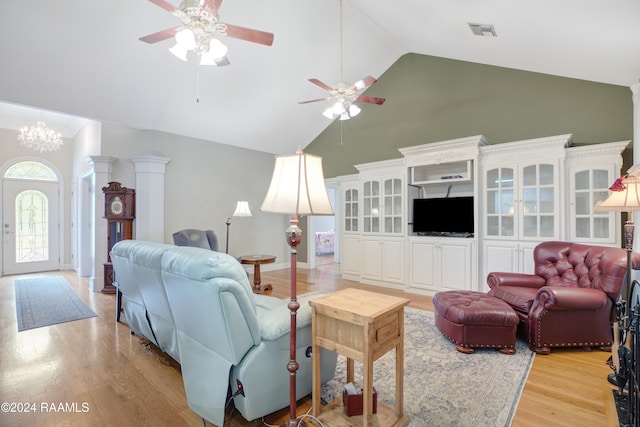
[{"x": 100, "y": 375}]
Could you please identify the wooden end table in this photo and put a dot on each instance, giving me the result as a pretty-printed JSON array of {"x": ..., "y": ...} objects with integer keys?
[
  {"x": 362, "y": 326},
  {"x": 257, "y": 261}
]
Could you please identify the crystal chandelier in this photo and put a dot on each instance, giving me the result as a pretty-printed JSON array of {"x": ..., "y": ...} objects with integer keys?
[{"x": 40, "y": 138}]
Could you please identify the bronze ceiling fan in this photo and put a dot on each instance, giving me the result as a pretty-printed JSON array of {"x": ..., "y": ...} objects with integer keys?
[
  {"x": 345, "y": 94},
  {"x": 199, "y": 30}
]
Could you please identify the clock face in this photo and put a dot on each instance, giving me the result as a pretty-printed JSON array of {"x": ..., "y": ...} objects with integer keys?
[{"x": 116, "y": 206}]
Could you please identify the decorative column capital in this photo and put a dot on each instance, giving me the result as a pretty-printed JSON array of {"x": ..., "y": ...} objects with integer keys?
[
  {"x": 150, "y": 164},
  {"x": 101, "y": 164}
]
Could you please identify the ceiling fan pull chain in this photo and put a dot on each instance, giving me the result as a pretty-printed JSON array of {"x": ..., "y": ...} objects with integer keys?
[{"x": 197, "y": 83}]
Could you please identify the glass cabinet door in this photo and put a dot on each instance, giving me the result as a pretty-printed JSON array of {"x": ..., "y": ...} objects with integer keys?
[
  {"x": 500, "y": 202},
  {"x": 392, "y": 215},
  {"x": 351, "y": 210},
  {"x": 538, "y": 201},
  {"x": 371, "y": 206},
  {"x": 591, "y": 187}
]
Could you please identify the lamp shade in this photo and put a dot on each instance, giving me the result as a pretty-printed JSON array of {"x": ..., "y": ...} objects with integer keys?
[
  {"x": 242, "y": 210},
  {"x": 624, "y": 197},
  {"x": 297, "y": 186}
]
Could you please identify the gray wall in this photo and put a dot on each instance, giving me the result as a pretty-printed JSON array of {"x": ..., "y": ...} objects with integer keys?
[
  {"x": 203, "y": 182},
  {"x": 431, "y": 99}
]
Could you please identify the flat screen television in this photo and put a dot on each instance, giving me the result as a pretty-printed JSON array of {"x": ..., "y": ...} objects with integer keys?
[{"x": 450, "y": 216}]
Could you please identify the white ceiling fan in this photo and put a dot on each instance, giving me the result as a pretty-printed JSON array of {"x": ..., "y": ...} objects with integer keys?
[
  {"x": 344, "y": 95},
  {"x": 200, "y": 28}
]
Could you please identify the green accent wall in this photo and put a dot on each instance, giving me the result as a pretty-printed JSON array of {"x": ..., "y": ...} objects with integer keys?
[{"x": 430, "y": 99}]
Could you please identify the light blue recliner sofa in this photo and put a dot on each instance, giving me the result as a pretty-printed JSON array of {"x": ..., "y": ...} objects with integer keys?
[
  {"x": 144, "y": 300},
  {"x": 225, "y": 333}
]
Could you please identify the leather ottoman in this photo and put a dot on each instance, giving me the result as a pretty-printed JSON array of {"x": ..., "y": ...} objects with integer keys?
[{"x": 475, "y": 319}]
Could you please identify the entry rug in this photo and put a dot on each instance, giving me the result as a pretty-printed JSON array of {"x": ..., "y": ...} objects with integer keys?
[
  {"x": 47, "y": 300},
  {"x": 443, "y": 387}
]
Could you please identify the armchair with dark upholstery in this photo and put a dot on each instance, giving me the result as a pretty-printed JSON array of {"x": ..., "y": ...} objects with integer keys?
[
  {"x": 205, "y": 239},
  {"x": 570, "y": 299}
]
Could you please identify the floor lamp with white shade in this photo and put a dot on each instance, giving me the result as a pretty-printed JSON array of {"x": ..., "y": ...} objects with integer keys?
[
  {"x": 242, "y": 211},
  {"x": 297, "y": 188}
]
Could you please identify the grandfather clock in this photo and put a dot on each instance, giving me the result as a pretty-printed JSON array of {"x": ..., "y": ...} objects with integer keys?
[{"x": 119, "y": 211}]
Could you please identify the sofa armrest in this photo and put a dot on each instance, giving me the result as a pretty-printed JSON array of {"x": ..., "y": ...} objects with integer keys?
[
  {"x": 276, "y": 322},
  {"x": 496, "y": 279},
  {"x": 568, "y": 298}
]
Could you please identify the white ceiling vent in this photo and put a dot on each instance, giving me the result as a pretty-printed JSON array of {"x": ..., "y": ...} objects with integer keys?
[{"x": 484, "y": 30}]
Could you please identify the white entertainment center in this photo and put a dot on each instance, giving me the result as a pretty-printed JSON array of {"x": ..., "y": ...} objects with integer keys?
[{"x": 524, "y": 193}]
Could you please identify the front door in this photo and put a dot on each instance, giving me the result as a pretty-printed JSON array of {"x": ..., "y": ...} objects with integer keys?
[{"x": 30, "y": 226}]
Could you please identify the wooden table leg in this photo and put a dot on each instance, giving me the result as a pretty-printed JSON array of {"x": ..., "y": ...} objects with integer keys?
[
  {"x": 258, "y": 288},
  {"x": 367, "y": 389},
  {"x": 316, "y": 377}
]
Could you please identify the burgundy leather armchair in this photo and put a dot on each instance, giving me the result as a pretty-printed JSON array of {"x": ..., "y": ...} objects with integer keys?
[{"x": 570, "y": 300}]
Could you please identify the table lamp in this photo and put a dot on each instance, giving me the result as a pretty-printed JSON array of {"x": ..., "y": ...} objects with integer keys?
[
  {"x": 242, "y": 211},
  {"x": 297, "y": 188}
]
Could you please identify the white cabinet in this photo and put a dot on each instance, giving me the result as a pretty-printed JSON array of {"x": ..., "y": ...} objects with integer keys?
[
  {"x": 441, "y": 264},
  {"x": 522, "y": 201},
  {"x": 350, "y": 262},
  {"x": 523, "y": 204},
  {"x": 350, "y": 227},
  {"x": 591, "y": 170},
  {"x": 383, "y": 221},
  {"x": 442, "y": 170},
  {"x": 382, "y": 206},
  {"x": 508, "y": 256},
  {"x": 524, "y": 193},
  {"x": 383, "y": 260}
]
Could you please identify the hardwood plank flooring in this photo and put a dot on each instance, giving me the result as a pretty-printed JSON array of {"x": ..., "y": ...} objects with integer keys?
[{"x": 105, "y": 376}]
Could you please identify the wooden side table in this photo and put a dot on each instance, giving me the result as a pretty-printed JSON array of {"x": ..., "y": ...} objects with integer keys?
[
  {"x": 256, "y": 261},
  {"x": 362, "y": 326}
]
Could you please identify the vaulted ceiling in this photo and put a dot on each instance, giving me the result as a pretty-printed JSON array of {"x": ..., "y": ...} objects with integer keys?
[{"x": 83, "y": 58}]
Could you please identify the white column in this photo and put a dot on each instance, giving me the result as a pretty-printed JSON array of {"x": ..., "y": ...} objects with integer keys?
[
  {"x": 150, "y": 171},
  {"x": 101, "y": 168}
]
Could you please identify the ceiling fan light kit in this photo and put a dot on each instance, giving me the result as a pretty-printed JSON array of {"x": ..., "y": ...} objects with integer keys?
[
  {"x": 200, "y": 26},
  {"x": 342, "y": 110}
]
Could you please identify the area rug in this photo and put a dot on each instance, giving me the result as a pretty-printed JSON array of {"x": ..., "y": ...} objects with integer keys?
[
  {"x": 47, "y": 300},
  {"x": 443, "y": 387}
]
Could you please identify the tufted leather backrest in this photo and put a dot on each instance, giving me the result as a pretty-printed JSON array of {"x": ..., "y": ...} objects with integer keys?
[{"x": 584, "y": 266}]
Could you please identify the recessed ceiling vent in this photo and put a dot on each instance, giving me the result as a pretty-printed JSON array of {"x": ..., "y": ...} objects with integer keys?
[{"x": 483, "y": 30}]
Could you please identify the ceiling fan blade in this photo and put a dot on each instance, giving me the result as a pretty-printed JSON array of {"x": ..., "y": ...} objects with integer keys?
[
  {"x": 364, "y": 83},
  {"x": 165, "y": 5},
  {"x": 212, "y": 5},
  {"x": 370, "y": 99},
  {"x": 313, "y": 100},
  {"x": 322, "y": 85},
  {"x": 160, "y": 35},
  {"x": 249, "y": 35}
]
